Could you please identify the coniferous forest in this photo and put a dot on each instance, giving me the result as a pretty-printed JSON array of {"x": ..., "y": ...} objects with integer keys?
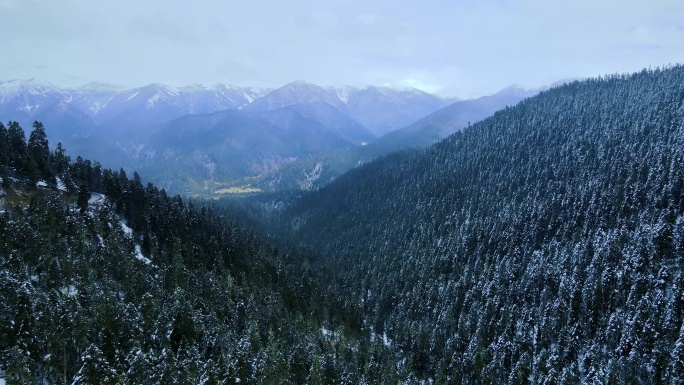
[
  {"x": 544, "y": 244},
  {"x": 104, "y": 280}
]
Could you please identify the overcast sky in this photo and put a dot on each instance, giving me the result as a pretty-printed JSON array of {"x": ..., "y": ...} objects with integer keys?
[{"x": 450, "y": 47}]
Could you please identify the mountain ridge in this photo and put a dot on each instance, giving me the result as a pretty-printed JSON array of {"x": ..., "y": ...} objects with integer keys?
[{"x": 114, "y": 126}]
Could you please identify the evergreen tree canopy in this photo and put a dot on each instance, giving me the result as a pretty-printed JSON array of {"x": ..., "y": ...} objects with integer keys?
[
  {"x": 541, "y": 244},
  {"x": 105, "y": 280}
]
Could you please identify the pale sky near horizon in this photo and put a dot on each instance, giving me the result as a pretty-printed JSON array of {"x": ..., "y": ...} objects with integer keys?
[{"x": 453, "y": 48}]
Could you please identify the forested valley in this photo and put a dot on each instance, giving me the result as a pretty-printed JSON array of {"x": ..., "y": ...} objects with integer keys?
[{"x": 544, "y": 244}]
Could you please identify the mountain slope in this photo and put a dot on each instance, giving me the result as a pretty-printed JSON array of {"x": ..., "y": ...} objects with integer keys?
[
  {"x": 231, "y": 148},
  {"x": 336, "y": 122},
  {"x": 384, "y": 110},
  {"x": 543, "y": 244},
  {"x": 104, "y": 280},
  {"x": 447, "y": 120}
]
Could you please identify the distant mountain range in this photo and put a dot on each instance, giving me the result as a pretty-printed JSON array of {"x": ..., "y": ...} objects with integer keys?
[
  {"x": 96, "y": 107},
  {"x": 381, "y": 110},
  {"x": 107, "y": 111},
  {"x": 213, "y": 138}
]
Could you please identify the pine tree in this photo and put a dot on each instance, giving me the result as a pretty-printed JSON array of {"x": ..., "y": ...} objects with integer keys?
[
  {"x": 60, "y": 161},
  {"x": 16, "y": 144},
  {"x": 39, "y": 151},
  {"x": 83, "y": 198},
  {"x": 4, "y": 150},
  {"x": 95, "y": 369}
]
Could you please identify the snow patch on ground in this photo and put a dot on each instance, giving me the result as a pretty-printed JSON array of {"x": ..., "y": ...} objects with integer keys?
[
  {"x": 60, "y": 185},
  {"x": 29, "y": 108},
  {"x": 96, "y": 107},
  {"x": 329, "y": 335},
  {"x": 309, "y": 179},
  {"x": 96, "y": 198},
  {"x": 41, "y": 183},
  {"x": 127, "y": 230},
  {"x": 247, "y": 96},
  {"x": 132, "y": 96},
  {"x": 138, "y": 251},
  {"x": 140, "y": 257},
  {"x": 71, "y": 290},
  {"x": 384, "y": 338},
  {"x": 154, "y": 99},
  {"x": 386, "y": 341}
]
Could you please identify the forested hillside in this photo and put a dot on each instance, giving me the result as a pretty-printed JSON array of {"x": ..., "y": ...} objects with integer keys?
[
  {"x": 104, "y": 280},
  {"x": 544, "y": 244}
]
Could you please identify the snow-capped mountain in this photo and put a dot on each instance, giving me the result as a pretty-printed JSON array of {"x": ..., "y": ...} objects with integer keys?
[
  {"x": 158, "y": 103},
  {"x": 105, "y": 109},
  {"x": 122, "y": 127},
  {"x": 26, "y": 97},
  {"x": 297, "y": 92},
  {"x": 98, "y": 108},
  {"x": 26, "y": 101},
  {"x": 138, "y": 108},
  {"x": 380, "y": 109},
  {"x": 203, "y": 99}
]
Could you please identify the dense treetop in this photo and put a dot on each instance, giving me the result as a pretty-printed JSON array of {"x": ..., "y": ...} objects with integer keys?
[{"x": 545, "y": 243}]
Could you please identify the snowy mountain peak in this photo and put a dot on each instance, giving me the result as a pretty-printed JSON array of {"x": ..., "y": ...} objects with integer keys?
[
  {"x": 299, "y": 87},
  {"x": 162, "y": 88},
  {"x": 297, "y": 92},
  {"x": 27, "y": 96},
  {"x": 30, "y": 86},
  {"x": 112, "y": 106},
  {"x": 299, "y": 83}
]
